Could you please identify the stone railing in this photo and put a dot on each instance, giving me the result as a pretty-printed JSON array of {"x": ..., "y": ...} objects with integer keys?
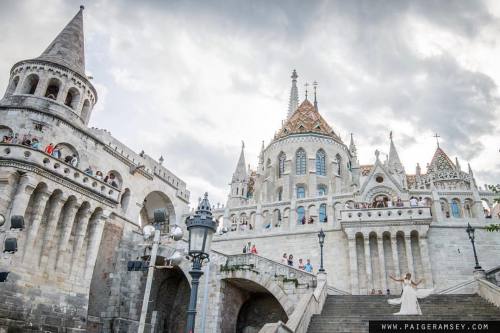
[
  {"x": 491, "y": 275},
  {"x": 489, "y": 291},
  {"x": 386, "y": 214},
  {"x": 309, "y": 305},
  {"x": 28, "y": 158},
  {"x": 263, "y": 265}
]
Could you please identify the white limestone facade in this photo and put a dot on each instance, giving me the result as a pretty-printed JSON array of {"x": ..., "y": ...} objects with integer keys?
[
  {"x": 379, "y": 219},
  {"x": 72, "y": 221}
]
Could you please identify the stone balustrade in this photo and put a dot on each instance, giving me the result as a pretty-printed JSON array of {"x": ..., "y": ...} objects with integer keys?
[
  {"x": 24, "y": 157},
  {"x": 273, "y": 268},
  {"x": 386, "y": 214}
]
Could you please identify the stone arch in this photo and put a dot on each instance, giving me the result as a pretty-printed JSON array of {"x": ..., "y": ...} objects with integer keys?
[
  {"x": 12, "y": 85},
  {"x": 456, "y": 208},
  {"x": 67, "y": 149},
  {"x": 241, "y": 286},
  {"x": 114, "y": 178},
  {"x": 379, "y": 190},
  {"x": 300, "y": 161},
  {"x": 312, "y": 213},
  {"x": 53, "y": 88},
  {"x": 156, "y": 200},
  {"x": 72, "y": 99},
  {"x": 85, "y": 111},
  {"x": 337, "y": 207},
  {"x": 469, "y": 208},
  {"x": 125, "y": 199},
  {"x": 30, "y": 84},
  {"x": 5, "y": 131},
  {"x": 445, "y": 207}
]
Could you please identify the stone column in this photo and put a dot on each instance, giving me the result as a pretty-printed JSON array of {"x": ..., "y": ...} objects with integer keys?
[
  {"x": 292, "y": 217},
  {"x": 381, "y": 260},
  {"x": 95, "y": 235},
  {"x": 409, "y": 256},
  {"x": 80, "y": 232},
  {"x": 259, "y": 224},
  {"x": 395, "y": 259},
  {"x": 7, "y": 186},
  {"x": 330, "y": 216},
  {"x": 67, "y": 223},
  {"x": 21, "y": 198},
  {"x": 38, "y": 208},
  {"x": 353, "y": 264},
  {"x": 426, "y": 262},
  {"x": 368, "y": 263},
  {"x": 52, "y": 219}
]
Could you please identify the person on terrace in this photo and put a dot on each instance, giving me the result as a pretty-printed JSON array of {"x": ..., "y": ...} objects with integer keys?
[{"x": 49, "y": 149}]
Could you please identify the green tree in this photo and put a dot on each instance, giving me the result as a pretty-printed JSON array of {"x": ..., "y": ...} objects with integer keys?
[{"x": 495, "y": 188}]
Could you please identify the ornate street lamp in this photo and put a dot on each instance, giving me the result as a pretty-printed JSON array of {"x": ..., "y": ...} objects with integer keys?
[
  {"x": 321, "y": 237},
  {"x": 470, "y": 232},
  {"x": 201, "y": 227}
]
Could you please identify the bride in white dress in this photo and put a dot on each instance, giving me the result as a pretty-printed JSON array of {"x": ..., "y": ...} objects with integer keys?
[{"x": 408, "y": 300}]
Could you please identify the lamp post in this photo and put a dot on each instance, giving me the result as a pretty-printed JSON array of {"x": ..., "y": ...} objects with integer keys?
[
  {"x": 321, "y": 237},
  {"x": 201, "y": 227},
  {"x": 470, "y": 232}
]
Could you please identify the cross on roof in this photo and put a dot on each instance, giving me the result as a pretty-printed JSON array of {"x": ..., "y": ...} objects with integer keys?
[{"x": 437, "y": 138}]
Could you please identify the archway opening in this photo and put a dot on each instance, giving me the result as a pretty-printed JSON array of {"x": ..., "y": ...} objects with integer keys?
[
  {"x": 53, "y": 89},
  {"x": 156, "y": 200}
]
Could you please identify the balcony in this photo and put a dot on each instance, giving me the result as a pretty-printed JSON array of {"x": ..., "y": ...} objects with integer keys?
[
  {"x": 386, "y": 214},
  {"x": 27, "y": 158}
]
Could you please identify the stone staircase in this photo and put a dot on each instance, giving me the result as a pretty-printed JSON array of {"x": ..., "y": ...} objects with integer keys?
[{"x": 342, "y": 313}]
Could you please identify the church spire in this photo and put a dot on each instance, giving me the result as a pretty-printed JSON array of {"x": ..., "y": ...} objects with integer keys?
[
  {"x": 67, "y": 49},
  {"x": 240, "y": 173},
  {"x": 293, "y": 104},
  {"x": 352, "y": 146},
  {"x": 394, "y": 163},
  {"x": 315, "y": 85}
]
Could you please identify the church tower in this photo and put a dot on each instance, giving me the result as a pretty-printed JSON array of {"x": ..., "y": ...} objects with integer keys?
[
  {"x": 394, "y": 165},
  {"x": 56, "y": 81},
  {"x": 239, "y": 182}
]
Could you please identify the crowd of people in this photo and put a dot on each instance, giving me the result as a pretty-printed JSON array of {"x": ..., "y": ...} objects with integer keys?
[
  {"x": 386, "y": 203},
  {"x": 29, "y": 140},
  {"x": 249, "y": 248},
  {"x": 289, "y": 260}
]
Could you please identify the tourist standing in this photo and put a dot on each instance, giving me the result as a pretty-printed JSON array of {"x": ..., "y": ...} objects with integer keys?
[
  {"x": 290, "y": 260},
  {"x": 308, "y": 267}
]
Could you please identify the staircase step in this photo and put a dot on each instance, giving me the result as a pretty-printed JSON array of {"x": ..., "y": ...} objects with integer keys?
[{"x": 351, "y": 313}]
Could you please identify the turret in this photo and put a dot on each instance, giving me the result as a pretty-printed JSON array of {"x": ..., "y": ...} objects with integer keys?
[
  {"x": 293, "y": 103},
  {"x": 394, "y": 165},
  {"x": 239, "y": 182},
  {"x": 56, "y": 82},
  {"x": 354, "y": 162}
]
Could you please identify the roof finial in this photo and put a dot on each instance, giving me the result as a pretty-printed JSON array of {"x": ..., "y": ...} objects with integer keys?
[
  {"x": 82, "y": 7},
  {"x": 293, "y": 103},
  {"x": 315, "y": 85},
  {"x": 390, "y": 135},
  {"x": 437, "y": 139},
  {"x": 242, "y": 144},
  {"x": 306, "y": 85}
]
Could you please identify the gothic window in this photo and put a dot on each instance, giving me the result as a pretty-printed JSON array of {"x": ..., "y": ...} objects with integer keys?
[
  {"x": 301, "y": 192},
  {"x": 322, "y": 213},
  {"x": 321, "y": 163},
  {"x": 300, "y": 162},
  {"x": 338, "y": 161},
  {"x": 281, "y": 164},
  {"x": 301, "y": 215},
  {"x": 455, "y": 208},
  {"x": 321, "y": 190}
]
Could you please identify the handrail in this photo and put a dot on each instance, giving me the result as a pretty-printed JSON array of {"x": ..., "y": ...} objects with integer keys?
[
  {"x": 271, "y": 266},
  {"x": 456, "y": 287},
  {"x": 335, "y": 291},
  {"x": 489, "y": 291}
]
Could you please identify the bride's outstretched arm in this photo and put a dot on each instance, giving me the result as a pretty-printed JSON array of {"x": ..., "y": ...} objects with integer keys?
[
  {"x": 397, "y": 280},
  {"x": 417, "y": 283}
]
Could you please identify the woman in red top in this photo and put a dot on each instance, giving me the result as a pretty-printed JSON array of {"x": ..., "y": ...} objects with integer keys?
[{"x": 49, "y": 149}]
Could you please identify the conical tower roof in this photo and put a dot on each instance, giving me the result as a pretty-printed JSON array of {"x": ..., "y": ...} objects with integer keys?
[
  {"x": 394, "y": 163},
  {"x": 240, "y": 174},
  {"x": 306, "y": 119},
  {"x": 441, "y": 162},
  {"x": 67, "y": 49}
]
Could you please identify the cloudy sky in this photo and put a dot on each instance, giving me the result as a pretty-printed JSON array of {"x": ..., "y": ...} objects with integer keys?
[{"x": 190, "y": 79}]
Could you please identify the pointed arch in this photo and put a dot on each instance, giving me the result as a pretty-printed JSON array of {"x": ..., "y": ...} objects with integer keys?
[
  {"x": 281, "y": 164},
  {"x": 300, "y": 162},
  {"x": 321, "y": 163}
]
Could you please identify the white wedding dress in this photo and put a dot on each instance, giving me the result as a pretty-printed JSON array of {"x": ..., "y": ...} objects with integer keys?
[{"x": 409, "y": 299}]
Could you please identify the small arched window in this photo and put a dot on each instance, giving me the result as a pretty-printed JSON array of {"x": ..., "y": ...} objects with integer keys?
[
  {"x": 281, "y": 164},
  {"x": 338, "y": 161},
  {"x": 301, "y": 192},
  {"x": 72, "y": 98},
  {"x": 322, "y": 190},
  {"x": 301, "y": 215},
  {"x": 125, "y": 199},
  {"x": 300, "y": 162},
  {"x": 321, "y": 163},
  {"x": 53, "y": 89},
  {"x": 468, "y": 208},
  {"x": 322, "y": 213},
  {"x": 455, "y": 208}
]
